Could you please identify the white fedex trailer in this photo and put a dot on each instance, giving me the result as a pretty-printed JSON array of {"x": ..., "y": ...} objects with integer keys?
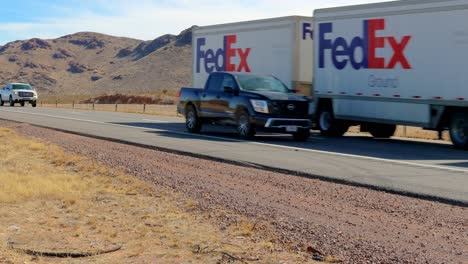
[
  {"x": 279, "y": 46},
  {"x": 393, "y": 63}
]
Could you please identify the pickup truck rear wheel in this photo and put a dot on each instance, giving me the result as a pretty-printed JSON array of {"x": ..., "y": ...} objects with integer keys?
[
  {"x": 245, "y": 128},
  {"x": 12, "y": 103},
  {"x": 22, "y": 103},
  {"x": 192, "y": 121},
  {"x": 459, "y": 130},
  {"x": 1, "y": 101},
  {"x": 329, "y": 126}
]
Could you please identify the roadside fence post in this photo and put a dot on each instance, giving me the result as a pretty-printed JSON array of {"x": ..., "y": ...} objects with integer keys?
[
  {"x": 93, "y": 106},
  {"x": 56, "y": 103},
  {"x": 144, "y": 108},
  {"x": 73, "y": 105},
  {"x": 115, "y": 107},
  {"x": 404, "y": 131}
]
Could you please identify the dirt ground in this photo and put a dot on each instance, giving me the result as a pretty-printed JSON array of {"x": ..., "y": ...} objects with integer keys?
[
  {"x": 52, "y": 202},
  {"x": 354, "y": 225}
]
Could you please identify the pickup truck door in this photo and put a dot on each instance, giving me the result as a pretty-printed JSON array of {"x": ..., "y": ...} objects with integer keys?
[
  {"x": 210, "y": 95},
  {"x": 224, "y": 107}
]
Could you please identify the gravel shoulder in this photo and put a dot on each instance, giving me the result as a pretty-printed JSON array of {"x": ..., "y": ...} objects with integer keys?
[{"x": 356, "y": 225}]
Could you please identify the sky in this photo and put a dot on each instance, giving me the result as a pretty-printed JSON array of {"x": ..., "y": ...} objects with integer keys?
[{"x": 140, "y": 19}]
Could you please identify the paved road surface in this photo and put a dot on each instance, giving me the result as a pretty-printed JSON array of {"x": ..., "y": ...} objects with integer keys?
[{"x": 432, "y": 169}]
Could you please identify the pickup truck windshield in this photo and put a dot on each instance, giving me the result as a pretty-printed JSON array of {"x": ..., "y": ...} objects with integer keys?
[
  {"x": 261, "y": 83},
  {"x": 21, "y": 87}
]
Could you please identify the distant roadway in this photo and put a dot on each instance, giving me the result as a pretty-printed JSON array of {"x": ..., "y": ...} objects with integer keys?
[{"x": 430, "y": 169}]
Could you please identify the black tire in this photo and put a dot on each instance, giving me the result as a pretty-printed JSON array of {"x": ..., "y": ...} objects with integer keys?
[
  {"x": 328, "y": 125},
  {"x": 245, "y": 129},
  {"x": 459, "y": 130},
  {"x": 34, "y": 104},
  {"x": 302, "y": 135},
  {"x": 192, "y": 121},
  {"x": 382, "y": 130},
  {"x": 1, "y": 101},
  {"x": 11, "y": 102},
  {"x": 22, "y": 104}
]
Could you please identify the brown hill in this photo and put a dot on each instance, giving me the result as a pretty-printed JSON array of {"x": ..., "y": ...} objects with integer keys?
[{"x": 90, "y": 64}]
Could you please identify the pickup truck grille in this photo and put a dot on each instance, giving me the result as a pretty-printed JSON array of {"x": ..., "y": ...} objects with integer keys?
[
  {"x": 290, "y": 109},
  {"x": 25, "y": 94}
]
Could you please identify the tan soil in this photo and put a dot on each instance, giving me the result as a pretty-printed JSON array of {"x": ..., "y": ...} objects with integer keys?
[{"x": 356, "y": 225}]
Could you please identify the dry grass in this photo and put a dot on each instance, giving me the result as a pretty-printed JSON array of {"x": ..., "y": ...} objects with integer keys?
[{"x": 62, "y": 202}]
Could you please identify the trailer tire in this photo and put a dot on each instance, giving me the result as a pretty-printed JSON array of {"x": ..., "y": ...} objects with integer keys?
[
  {"x": 328, "y": 125},
  {"x": 382, "y": 130},
  {"x": 459, "y": 130},
  {"x": 192, "y": 120}
]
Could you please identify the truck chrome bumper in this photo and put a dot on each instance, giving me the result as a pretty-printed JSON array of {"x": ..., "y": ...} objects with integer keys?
[{"x": 287, "y": 122}]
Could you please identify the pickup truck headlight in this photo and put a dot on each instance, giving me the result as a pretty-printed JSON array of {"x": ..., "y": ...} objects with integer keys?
[
  {"x": 260, "y": 106},
  {"x": 15, "y": 92}
]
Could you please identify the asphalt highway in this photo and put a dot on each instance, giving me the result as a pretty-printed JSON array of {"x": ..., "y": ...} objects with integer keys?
[{"x": 429, "y": 169}]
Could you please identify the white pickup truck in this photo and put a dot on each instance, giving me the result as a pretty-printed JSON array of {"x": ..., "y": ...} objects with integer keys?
[{"x": 18, "y": 93}]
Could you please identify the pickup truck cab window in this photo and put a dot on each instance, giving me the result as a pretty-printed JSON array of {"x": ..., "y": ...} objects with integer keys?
[
  {"x": 214, "y": 82},
  {"x": 21, "y": 87},
  {"x": 228, "y": 81}
]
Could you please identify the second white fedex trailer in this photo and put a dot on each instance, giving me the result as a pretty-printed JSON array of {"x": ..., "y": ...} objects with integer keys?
[
  {"x": 394, "y": 63},
  {"x": 278, "y": 46}
]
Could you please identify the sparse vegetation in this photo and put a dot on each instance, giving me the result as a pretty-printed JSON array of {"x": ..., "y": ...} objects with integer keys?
[{"x": 51, "y": 200}]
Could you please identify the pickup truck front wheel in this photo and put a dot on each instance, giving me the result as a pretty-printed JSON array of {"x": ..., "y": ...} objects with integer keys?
[
  {"x": 245, "y": 128},
  {"x": 11, "y": 102},
  {"x": 192, "y": 121}
]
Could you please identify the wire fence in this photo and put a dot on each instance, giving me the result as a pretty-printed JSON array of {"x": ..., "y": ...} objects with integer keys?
[{"x": 167, "y": 110}]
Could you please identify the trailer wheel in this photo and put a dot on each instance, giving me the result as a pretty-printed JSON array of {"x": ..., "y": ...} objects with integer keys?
[
  {"x": 459, "y": 130},
  {"x": 192, "y": 121},
  {"x": 382, "y": 130},
  {"x": 329, "y": 126}
]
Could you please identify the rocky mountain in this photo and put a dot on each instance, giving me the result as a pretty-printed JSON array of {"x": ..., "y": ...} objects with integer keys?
[{"x": 92, "y": 64}]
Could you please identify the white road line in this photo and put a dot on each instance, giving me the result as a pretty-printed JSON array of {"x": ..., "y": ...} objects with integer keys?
[
  {"x": 155, "y": 120},
  {"x": 398, "y": 162}
]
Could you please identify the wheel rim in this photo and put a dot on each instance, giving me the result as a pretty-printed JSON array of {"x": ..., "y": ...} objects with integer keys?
[
  {"x": 243, "y": 125},
  {"x": 325, "y": 121},
  {"x": 460, "y": 131},
  {"x": 191, "y": 119}
]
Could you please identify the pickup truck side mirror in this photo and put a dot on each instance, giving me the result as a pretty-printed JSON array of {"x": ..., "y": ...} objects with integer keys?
[{"x": 228, "y": 89}]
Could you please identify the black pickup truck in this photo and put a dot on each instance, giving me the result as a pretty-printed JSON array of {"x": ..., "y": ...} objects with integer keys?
[{"x": 248, "y": 102}]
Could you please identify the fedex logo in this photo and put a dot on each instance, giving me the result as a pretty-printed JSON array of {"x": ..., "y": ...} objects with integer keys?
[
  {"x": 222, "y": 58},
  {"x": 344, "y": 52}
]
